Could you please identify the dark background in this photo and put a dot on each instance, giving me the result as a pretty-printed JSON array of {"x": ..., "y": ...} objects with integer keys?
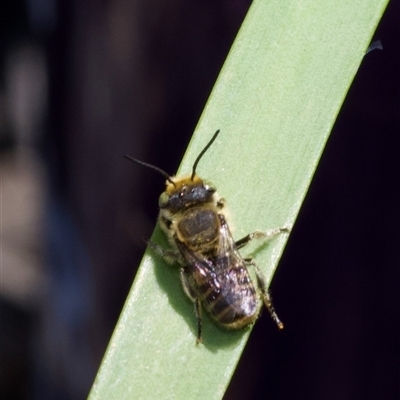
[{"x": 126, "y": 77}]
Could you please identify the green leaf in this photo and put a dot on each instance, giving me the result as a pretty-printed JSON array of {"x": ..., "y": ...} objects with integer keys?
[{"x": 275, "y": 101}]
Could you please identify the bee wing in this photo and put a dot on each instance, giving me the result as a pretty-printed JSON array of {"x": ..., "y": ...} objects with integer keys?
[
  {"x": 227, "y": 254},
  {"x": 195, "y": 260},
  {"x": 221, "y": 280},
  {"x": 232, "y": 274}
]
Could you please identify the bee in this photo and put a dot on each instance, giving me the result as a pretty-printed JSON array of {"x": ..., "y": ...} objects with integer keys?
[{"x": 213, "y": 273}]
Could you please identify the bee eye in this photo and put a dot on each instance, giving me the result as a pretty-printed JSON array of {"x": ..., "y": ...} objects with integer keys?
[{"x": 163, "y": 200}]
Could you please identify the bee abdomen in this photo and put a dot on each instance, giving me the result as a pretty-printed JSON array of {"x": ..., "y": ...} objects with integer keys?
[{"x": 235, "y": 308}]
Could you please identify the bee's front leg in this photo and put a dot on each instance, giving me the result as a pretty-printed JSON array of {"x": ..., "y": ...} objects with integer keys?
[
  {"x": 197, "y": 304},
  {"x": 267, "y": 235},
  {"x": 266, "y": 296},
  {"x": 221, "y": 203}
]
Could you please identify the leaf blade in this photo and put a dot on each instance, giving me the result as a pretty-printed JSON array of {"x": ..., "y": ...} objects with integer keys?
[{"x": 275, "y": 102}]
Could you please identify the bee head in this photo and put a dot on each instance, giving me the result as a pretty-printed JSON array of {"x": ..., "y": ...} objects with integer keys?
[
  {"x": 183, "y": 192},
  {"x": 186, "y": 192}
]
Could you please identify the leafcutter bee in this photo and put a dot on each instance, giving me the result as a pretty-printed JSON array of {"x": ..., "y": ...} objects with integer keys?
[{"x": 213, "y": 273}]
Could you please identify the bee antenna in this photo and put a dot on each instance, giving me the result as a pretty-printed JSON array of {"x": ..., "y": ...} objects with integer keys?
[
  {"x": 202, "y": 154},
  {"x": 159, "y": 170}
]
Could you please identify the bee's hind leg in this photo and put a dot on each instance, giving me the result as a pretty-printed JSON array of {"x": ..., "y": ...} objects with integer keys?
[
  {"x": 266, "y": 296},
  {"x": 197, "y": 304},
  {"x": 267, "y": 235},
  {"x": 169, "y": 255},
  {"x": 197, "y": 310}
]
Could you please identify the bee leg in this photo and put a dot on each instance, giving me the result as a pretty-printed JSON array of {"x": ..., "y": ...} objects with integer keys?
[
  {"x": 268, "y": 234},
  {"x": 197, "y": 305},
  {"x": 266, "y": 296},
  {"x": 170, "y": 256},
  {"x": 221, "y": 203},
  {"x": 197, "y": 310}
]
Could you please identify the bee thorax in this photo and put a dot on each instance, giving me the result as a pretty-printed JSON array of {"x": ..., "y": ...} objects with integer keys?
[{"x": 198, "y": 226}]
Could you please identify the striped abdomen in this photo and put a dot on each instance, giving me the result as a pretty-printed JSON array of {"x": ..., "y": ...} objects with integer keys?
[{"x": 228, "y": 295}]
